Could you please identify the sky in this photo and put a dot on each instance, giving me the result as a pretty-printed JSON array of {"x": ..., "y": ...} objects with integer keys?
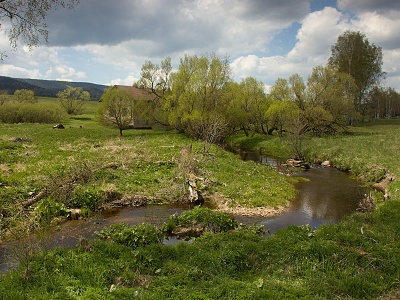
[{"x": 107, "y": 42}]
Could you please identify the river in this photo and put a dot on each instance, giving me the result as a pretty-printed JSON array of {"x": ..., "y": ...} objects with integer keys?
[{"x": 326, "y": 197}]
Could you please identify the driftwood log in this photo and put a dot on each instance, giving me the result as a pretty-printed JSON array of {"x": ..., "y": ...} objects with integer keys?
[{"x": 195, "y": 195}]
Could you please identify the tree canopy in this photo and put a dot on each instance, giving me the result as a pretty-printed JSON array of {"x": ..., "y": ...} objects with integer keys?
[
  {"x": 352, "y": 54},
  {"x": 26, "y": 19},
  {"x": 24, "y": 95},
  {"x": 201, "y": 98},
  {"x": 117, "y": 107},
  {"x": 72, "y": 99}
]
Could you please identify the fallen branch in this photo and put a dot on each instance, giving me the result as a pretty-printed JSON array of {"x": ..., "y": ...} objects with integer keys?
[
  {"x": 35, "y": 199},
  {"x": 47, "y": 191}
]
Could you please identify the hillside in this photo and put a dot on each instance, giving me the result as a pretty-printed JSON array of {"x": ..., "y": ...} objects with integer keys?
[{"x": 48, "y": 88}]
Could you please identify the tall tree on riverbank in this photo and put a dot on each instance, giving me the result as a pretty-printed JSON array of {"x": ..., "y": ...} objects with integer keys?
[
  {"x": 354, "y": 55},
  {"x": 246, "y": 105},
  {"x": 196, "y": 98}
]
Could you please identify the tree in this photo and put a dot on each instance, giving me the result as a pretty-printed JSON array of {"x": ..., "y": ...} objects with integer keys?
[
  {"x": 117, "y": 107},
  {"x": 3, "y": 96},
  {"x": 247, "y": 104},
  {"x": 354, "y": 55},
  {"x": 334, "y": 92},
  {"x": 297, "y": 90},
  {"x": 26, "y": 19},
  {"x": 25, "y": 96},
  {"x": 280, "y": 90},
  {"x": 383, "y": 103},
  {"x": 155, "y": 80},
  {"x": 72, "y": 99},
  {"x": 197, "y": 95},
  {"x": 282, "y": 115},
  {"x": 289, "y": 90}
]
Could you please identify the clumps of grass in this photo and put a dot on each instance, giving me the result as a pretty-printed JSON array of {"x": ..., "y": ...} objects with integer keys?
[
  {"x": 203, "y": 219},
  {"x": 132, "y": 236},
  {"x": 48, "y": 209},
  {"x": 87, "y": 196},
  {"x": 199, "y": 219}
]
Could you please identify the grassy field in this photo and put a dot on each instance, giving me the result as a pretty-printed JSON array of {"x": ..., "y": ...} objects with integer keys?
[
  {"x": 358, "y": 258},
  {"x": 86, "y": 165}
]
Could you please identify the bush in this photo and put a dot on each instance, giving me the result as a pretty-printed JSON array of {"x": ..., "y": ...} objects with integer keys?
[
  {"x": 86, "y": 197},
  {"x": 132, "y": 236},
  {"x": 49, "y": 209},
  {"x": 209, "y": 220},
  {"x": 13, "y": 112}
]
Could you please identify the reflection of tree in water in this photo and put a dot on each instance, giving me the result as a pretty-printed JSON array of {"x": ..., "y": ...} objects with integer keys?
[{"x": 330, "y": 194}]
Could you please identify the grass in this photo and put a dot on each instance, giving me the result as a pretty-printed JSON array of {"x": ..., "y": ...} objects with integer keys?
[
  {"x": 82, "y": 165},
  {"x": 358, "y": 258},
  {"x": 367, "y": 147},
  {"x": 335, "y": 262}
]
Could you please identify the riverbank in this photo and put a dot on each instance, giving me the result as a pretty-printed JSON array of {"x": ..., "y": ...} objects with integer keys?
[
  {"x": 47, "y": 174},
  {"x": 369, "y": 151}
]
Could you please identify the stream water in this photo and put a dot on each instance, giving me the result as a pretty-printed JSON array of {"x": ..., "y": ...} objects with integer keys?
[{"x": 326, "y": 197}]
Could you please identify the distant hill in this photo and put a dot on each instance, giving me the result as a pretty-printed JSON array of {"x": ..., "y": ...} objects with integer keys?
[{"x": 49, "y": 88}]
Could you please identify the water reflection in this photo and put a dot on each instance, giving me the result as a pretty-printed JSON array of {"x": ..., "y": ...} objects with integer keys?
[{"x": 326, "y": 197}]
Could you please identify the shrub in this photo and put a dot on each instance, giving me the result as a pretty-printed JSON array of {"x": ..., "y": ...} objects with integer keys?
[
  {"x": 13, "y": 112},
  {"x": 86, "y": 197},
  {"x": 132, "y": 236},
  {"x": 49, "y": 209},
  {"x": 210, "y": 220}
]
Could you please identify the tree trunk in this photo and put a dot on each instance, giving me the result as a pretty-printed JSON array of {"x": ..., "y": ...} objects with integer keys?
[{"x": 245, "y": 131}]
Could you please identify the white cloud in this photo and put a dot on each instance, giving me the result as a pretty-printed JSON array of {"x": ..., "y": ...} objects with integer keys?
[
  {"x": 383, "y": 29},
  {"x": 104, "y": 42},
  {"x": 318, "y": 32},
  {"x": 64, "y": 72},
  {"x": 130, "y": 80},
  {"x": 14, "y": 71},
  {"x": 392, "y": 68}
]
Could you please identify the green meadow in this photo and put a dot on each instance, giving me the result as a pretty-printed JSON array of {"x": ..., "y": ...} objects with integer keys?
[{"x": 87, "y": 165}]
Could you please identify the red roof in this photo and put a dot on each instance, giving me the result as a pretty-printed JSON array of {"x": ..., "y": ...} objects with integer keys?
[{"x": 136, "y": 92}]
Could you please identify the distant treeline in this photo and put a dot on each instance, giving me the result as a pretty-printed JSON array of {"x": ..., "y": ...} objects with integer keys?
[{"x": 49, "y": 88}]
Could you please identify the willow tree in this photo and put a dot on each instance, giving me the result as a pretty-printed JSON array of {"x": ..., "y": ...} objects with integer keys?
[
  {"x": 354, "y": 55},
  {"x": 156, "y": 81},
  {"x": 72, "y": 99},
  {"x": 25, "y": 20},
  {"x": 25, "y": 96},
  {"x": 246, "y": 105},
  {"x": 289, "y": 90},
  {"x": 196, "y": 101},
  {"x": 330, "y": 100}
]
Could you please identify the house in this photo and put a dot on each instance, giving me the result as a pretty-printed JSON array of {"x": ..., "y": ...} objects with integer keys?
[{"x": 137, "y": 94}]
